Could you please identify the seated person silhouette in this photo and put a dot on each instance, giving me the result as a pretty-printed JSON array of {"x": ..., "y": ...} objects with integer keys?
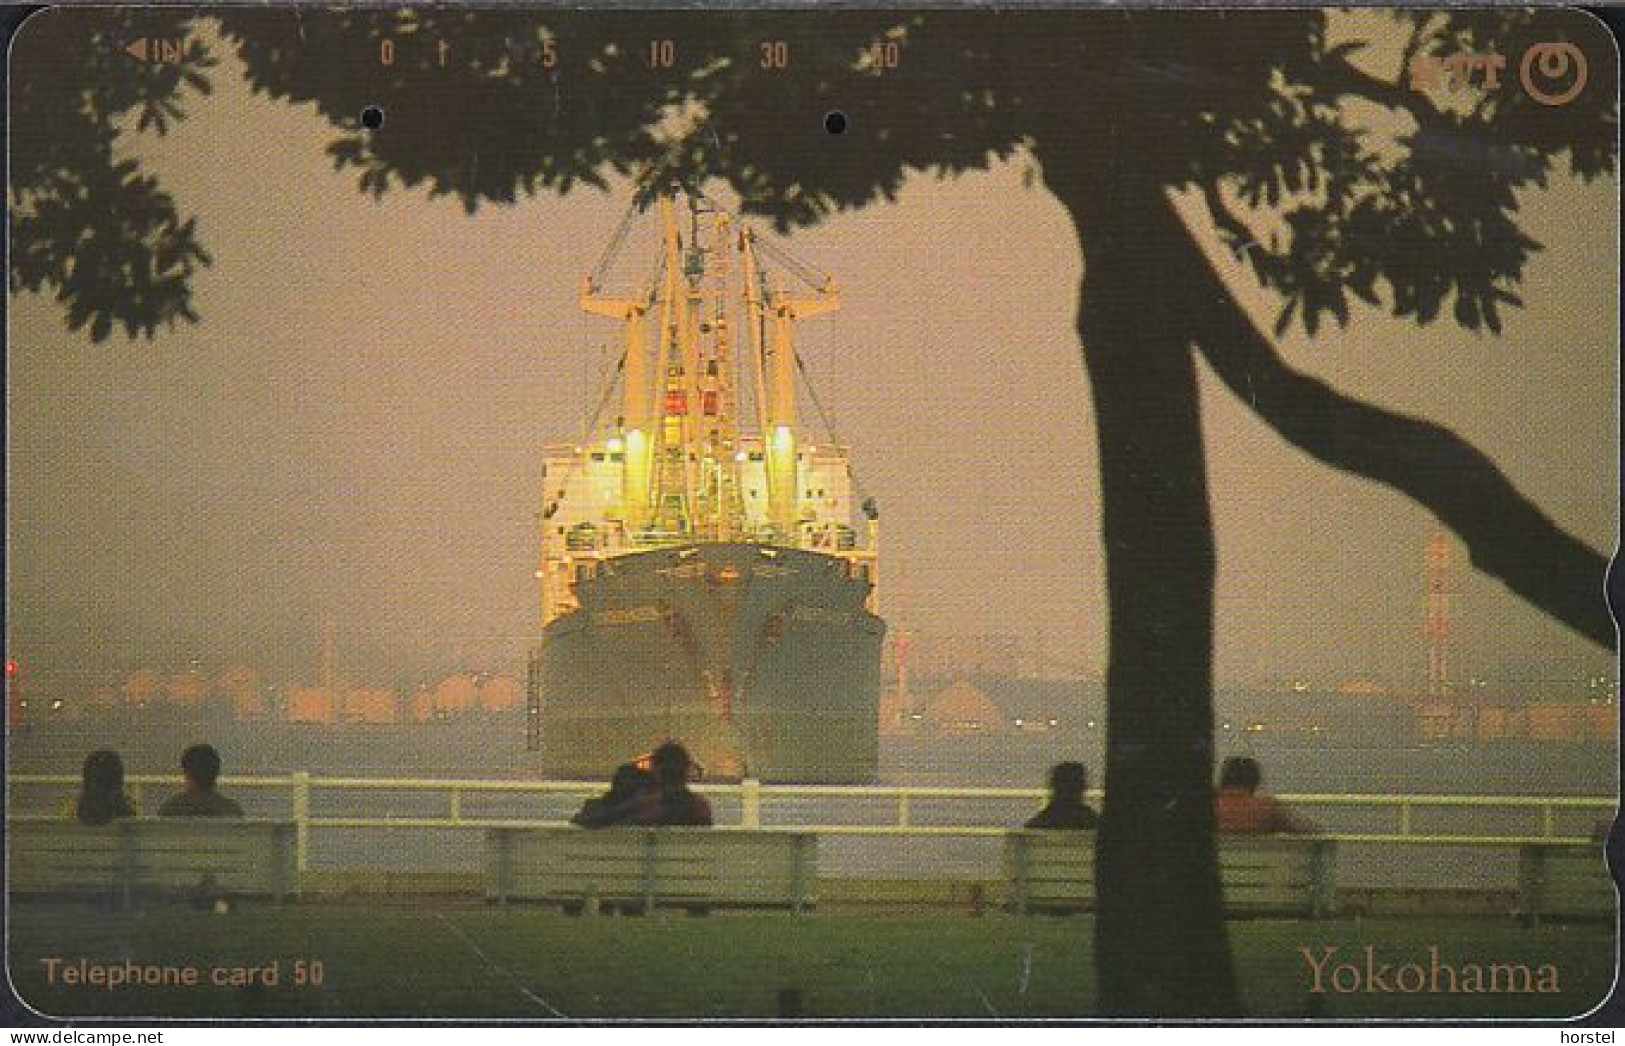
[
  {"x": 1066, "y": 808},
  {"x": 101, "y": 794},
  {"x": 633, "y": 798},
  {"x": 677, "y": 805},
  {"x": 200, "y": 765},
  {"x": 1240, "y": 808}
]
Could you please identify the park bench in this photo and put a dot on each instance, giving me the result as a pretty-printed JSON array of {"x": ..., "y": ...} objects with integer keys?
[
  {"x": 131, "y": 858},
  {"x": 1565, "y": 881},
  {"x": 1262, "y": 874},
  {"x": 646, "y": 868}
]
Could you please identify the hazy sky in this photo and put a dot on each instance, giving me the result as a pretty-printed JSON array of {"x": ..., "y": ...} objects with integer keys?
[{"x": 355, "y": 427}]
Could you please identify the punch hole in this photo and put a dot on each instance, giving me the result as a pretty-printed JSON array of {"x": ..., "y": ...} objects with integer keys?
[
  {"x": 835, "y": 122},
  {"x": 372, "y": 118}
]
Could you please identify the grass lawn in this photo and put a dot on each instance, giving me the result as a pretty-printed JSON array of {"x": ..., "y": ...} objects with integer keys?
[{"x": 388, "y": 960}]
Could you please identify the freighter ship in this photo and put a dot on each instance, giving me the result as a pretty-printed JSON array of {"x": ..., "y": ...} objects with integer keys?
[{"x": 706, "y": 574}]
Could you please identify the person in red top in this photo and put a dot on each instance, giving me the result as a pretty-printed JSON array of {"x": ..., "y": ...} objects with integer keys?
[{"x": 1239, "y": 808}]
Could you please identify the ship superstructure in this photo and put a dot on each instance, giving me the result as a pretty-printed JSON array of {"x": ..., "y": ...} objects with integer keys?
[{"x": 706, "y": 573}]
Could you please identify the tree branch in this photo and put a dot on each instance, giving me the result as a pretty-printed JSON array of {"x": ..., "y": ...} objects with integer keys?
[
  {"x": 1507, "y": 536},
  {"x": 1226, "y": 219},
  {"x": 1343, "y": 78}
]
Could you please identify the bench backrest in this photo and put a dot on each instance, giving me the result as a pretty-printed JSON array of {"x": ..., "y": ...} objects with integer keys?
[
  {"x": 1276, "y": 874},
  {"x": 1287, "y": 875},
  {"x": 1566, "y": 881},
  {"x": 1052, "y": 870},
  {"x": 652, "y": 865},
  {"x": 130, "y": 855}
]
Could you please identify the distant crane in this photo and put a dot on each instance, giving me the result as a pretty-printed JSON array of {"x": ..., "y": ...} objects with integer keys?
[
  {"x": 327, "y": 668},
  {"x": 1437, "y": 625}
]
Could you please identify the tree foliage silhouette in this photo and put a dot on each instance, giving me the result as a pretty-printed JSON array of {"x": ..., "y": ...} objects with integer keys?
[
  {"x": 87, "y": 225},
  {"x": 1328, "y": 176}
]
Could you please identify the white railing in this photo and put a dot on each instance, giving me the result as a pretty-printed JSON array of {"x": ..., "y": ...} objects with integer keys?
[{"x": 752, "y": 805}]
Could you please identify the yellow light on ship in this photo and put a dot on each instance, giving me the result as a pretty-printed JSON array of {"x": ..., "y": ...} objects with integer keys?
[
  {"x": 781, "y": 437},
  {"x": 614, "y": 446}
]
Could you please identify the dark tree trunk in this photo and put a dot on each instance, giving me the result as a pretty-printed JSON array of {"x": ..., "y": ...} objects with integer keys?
[
  {"x": 1148, "y": 296},
  {"x": 1160, "y": 945}
]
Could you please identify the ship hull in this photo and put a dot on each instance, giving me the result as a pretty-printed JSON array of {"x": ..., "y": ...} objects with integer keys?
[{"x": 763, "y": 662}]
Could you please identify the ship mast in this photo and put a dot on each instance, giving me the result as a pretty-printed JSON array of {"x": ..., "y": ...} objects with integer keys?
[
  {"x": 678, "y": 429},
  {"x": 775, "y": 371},
  {"x": 670, "y": 375},
  {"x": 634, "y": 424},
  {"x": 719, "y": 403}
]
